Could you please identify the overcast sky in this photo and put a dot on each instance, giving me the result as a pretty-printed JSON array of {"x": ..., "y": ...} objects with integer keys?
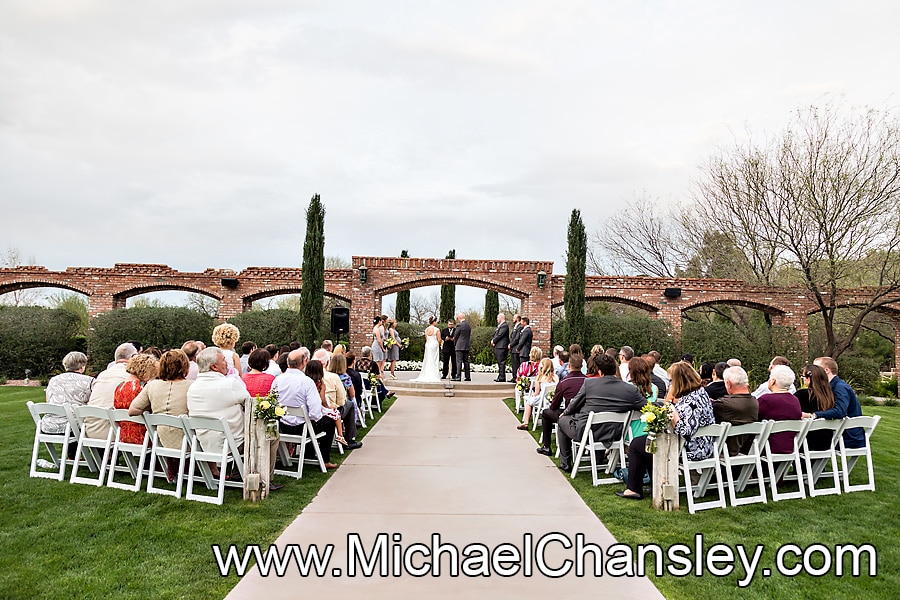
[{"x": 193, "y": 133}]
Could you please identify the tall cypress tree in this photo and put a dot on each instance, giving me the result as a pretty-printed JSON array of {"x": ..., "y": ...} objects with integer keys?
[
  {"x": 491, "y": 307},
  {"x": 312, "y": 294},
  {"x": 576, "y": 258},
  {"x": 448, "y": 297},
  {"x": 401, "y": 311}
]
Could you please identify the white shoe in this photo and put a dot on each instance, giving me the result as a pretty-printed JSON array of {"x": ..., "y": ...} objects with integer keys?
[{"x": 393, "y": 376}]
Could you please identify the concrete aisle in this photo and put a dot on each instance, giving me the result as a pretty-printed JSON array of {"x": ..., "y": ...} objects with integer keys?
[{"x": 457, "y": 468}]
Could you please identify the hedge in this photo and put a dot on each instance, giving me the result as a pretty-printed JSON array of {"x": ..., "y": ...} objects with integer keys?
[
  {"x": 36, "y": 338},
  {"x": 277, "y": 326}
]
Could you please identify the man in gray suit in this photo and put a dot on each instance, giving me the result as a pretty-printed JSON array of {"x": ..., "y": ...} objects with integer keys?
[
  {"x": 607, "y": 393},
  {"x": 462, "y": 346},
  {"x": 500, "y": 343},
  {"x": 514, "y": 344}
]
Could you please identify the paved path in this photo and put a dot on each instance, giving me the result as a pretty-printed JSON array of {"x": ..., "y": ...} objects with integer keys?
[{"x": 454, "y": 467}]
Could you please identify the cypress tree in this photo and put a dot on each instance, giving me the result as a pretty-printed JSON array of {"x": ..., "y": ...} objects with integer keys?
[
  {"x": 401, "y": 311},
  {"x": 312, "y": 294},
  {"x": 448, "y": 297},
  {"x": 491, "y": 307},
  {"x": 576, "y": 258}
]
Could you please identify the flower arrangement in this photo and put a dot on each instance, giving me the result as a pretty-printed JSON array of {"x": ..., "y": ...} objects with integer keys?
[
  {"x": 523, "y": 384},
  {"x": 404, "y": 343},
  {"x": 373, "y": 380},
  {"x": 550, "y": 395},
  {"x": 268, "y": 410},
  {"x": 657, "y": 420},
  {"x": 389, "y": 342}
]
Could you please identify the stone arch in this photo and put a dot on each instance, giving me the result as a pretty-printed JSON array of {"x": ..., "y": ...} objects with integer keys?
[
  {"x": 249, "y": 299},
  {"x": 756, "y": 305},
  {"x": 13, "y": 286},
  {"x": 121, "y": 296},
  {"x": 452, "y": 280},
  {"x": 650, "y": 308}
]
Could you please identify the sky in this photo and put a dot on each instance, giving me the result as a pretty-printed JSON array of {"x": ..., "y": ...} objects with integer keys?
[{"x": 193, "y": 133}]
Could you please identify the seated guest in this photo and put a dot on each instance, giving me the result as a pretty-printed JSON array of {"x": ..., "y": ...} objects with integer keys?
[
  {"x": 141, "y": 368},
  {"x": 734, "y": 362},
  {"x": 658, "y": 370},
  {"x": 764, "y": 387},
  {"x": 662, "y": 385},
  {"x": 692, "y": 410},
  {"x": 545, "y": 375},
  {"x": 626, "y": 353},
  {"x": 606, "y": 393},
  {"x": 780, "y": 405},
  {"x": 295, "y": 388},
  {"x": 365, "y": 365},
  {"x": 846, "y": 404},
  {"x": 557, "y": 360},
  {"x": 716, "y": 389},
  {"x": 642, "y": 378},
  {"x": 273, "y": 368},
  {"x": 225, "y": 336},
  {"x": 530, "y": 367},
  {"x": 316, "y": 371},
  {"x": 563, "y": 368},
  {"x": 355, "y": 377},
  {"x": 817, "y": 396},
  {"x": 566, "y": 389},
  {"x": 73, "y": 388},
  {"x": 104, "y": 390},
  {"x": 190, "y": 350},
  {"x": 706, "y": 372},
  {"x": 336, "y": 377},
  {"x": 257, "y": 380},
  {"x": 246, "y": 349},
  {"x": 576, "y": 349},
  {"x": 737, "y": 406},
  {"x": 282, "y": 359}
]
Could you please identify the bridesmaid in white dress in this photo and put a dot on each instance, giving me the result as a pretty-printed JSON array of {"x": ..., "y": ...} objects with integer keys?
[{"x": 431, "y": 372}]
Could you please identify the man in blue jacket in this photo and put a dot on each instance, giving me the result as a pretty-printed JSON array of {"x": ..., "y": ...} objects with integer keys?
[{"x": 846, "y": 404}]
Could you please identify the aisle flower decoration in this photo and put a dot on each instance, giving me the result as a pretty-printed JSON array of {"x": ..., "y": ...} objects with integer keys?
[
  {"x": 523, "y": 384},
  {"x": 657, "y": 419},
  {"x": 268, "y": 410},
  {"x": 373, "y": 381}
]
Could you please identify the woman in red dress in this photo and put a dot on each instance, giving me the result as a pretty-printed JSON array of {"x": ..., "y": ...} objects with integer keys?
[
  {"x": 258, "y": 382},
  {"x": 141, "y": 369}
]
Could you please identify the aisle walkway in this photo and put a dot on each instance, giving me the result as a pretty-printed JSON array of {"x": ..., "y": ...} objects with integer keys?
[{"x": 457, "y": 468}]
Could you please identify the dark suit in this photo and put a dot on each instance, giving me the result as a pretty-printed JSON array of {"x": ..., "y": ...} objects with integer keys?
[
  {"x": 501, "y": 349},
  {"x": 514, "y": 348},
  {"x": 448, "y": 352},
  {"x": 737, "y": 409},
  {"x": 525, "y": 343},
  {"x": 716, "y": 390},
  {"x": 462, "y": 346},
  {"x": 598, "y": 394},
  {"x": 566, "y": 390}
]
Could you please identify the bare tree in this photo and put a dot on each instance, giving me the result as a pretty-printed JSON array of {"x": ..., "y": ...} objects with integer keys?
[
  {"x": 337, "y": 262},
  {"x": 203, "y": 304},
  {"x": 818, "y": 206},
  {"x": 11, "y": 259},
  {"x": 422, "y": 307}
]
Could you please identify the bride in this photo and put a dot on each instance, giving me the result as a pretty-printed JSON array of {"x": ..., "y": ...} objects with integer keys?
[{"x": 431, "y": 363}]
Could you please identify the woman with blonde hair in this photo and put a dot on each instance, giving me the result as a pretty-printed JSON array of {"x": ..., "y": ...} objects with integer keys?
[
  {"x": 546, "y": 374},
  {"x": 393, "y": 352},
  {"x": 141, "y": 368},
  {"x": 225, "y": 336}
]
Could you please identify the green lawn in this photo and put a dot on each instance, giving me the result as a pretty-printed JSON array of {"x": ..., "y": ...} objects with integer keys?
[
  {"x": 857, "y": 518},
  {"x": 74, "y": 541}
]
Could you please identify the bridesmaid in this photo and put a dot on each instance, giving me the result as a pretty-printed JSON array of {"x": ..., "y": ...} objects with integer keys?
[
  {"x": 378, "y": 351},
  {"x": 393, "y": 353}
]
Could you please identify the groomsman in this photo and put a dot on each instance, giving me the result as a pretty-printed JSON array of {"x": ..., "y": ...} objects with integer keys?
[
  {"x": 514, "y": 344},
  {"x": 448, "y": 351},
  {"x": 525, "y": 338},
  {"x": 500, "y": 343}
]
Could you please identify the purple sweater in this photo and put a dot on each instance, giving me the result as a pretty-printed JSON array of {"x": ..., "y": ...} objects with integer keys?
[{"x": 780, "y": 407}]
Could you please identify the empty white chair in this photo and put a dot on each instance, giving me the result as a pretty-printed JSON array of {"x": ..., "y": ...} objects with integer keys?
[
  {"x": 224, "y": 457},
  {"x": 707, "y": 468},
  {"x": 135, "y": 454},
  {"x": 159, "y": 453},
  {"x": 849, "y": 456},
  {"x": 50, "y": 440},
  {"x": 308, "y": 436},
  {"x": 786, "y": 459},
  {"x": 817, "y": 460},
  {"x": 614, "y": 450},
  {"x": 366, "y": 402},
  {"x": 88, "y": 445},
  {"x": 748, "y": 463}
]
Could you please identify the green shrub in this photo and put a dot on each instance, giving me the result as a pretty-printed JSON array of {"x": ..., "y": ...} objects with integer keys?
[
  {"x": 164, "y": 326},
  {"x": 36, "y": 338},
  {"x": 861, "y": 372},
  {"x": 416, "y": 349},
  {"x": 866, "y": 400},
  {"x": 891, "y": 402},
  {"x": 640, "y": 332},
  {"x": 277, "y": 326},
  {"x": 885, "y": 388}
]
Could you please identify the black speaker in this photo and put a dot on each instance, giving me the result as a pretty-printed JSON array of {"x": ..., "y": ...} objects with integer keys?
[
  {"x": 340, "y": 319},
  {"x": 672, "y": 292},
  {"x": 229, "y": 282}
]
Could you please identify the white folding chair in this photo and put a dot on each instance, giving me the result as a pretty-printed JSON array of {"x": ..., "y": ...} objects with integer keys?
[
  {"x": 366, "y": 406},
  {"x": 816, "y": 460},
  {"x": 360, "y": 413},
  {"x": 224, "y": 456},
  {"x": 787, "y": 459},
  {"x": 614, "y": 450},
  {"x": 707, "y": 468},
  {"x": 87, "y": 445},
  {"x": 521, "y": 396},
  {"x": 50, "y": 440},
  {"x": 747, "y": 462},
  {"x": 541, "y": 403},
  {"x": 159, "y": 453},
  {"x": 308, "y": 435},
  {"x": 853, "y": 454},
  {"x": 135, "y": 454}
]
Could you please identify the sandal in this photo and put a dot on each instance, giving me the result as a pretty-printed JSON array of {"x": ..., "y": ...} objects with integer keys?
[
  {"x": 523, "y": 427},
  {"x": 340, "y": 440}
]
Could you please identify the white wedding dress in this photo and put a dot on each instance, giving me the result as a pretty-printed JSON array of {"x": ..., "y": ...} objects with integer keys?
[{"x": 431, "y": 371}]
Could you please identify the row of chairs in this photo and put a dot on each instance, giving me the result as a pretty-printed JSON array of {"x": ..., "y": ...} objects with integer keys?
[
  {"x": 100, "y": 456},
  {"x": 804, "y": 465}
]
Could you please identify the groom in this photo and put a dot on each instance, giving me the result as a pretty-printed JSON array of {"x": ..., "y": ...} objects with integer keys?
[{"x": 461, "y": 345}]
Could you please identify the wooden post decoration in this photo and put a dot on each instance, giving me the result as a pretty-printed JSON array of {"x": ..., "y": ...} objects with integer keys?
[
  {"x": 665, "y": 471},
  {"x": 256, "y": 455}
]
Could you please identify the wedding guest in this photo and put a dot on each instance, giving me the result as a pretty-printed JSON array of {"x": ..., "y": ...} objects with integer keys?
[
  {"x": 734, "y": 362},
  {"x": 576, "y": 349},
  {"x": 246, "y": 349},
  {"x": 692, "y": 410},
  {"x": 779, "y": 404},
  {"x": 738, "y": 407},
  {"x": 530, "y": 367},
  {"x": 103, "y": 392},
  {"x": 365, "y": 365},
  {"x": 344, "y": 396},
  {"x": 190, "y": 349},
  {"x": 526, "y": 337},
  {"x": 71, "y": 388},
  {"x": 273, "y": 368},
  {"x": 225, "y": 336},
  {"x": 626, "y": 353},
  {"x": 716, "y": 388},
  {"x": 257, "y": 380},
  {"x": 658, "y": 370},
  {"x": 563, "y": 368},
  {"x": 565, "y": 391},
  {"x": 315, "y": 370},
  {"x": 545, "y": 375},
  {"x": 141, "y": 368},
  {"x": 355, "y": 375},
  {"x": 152, "y": 351},
  {"x": 846, "y": 404},
  {"x": 282, "y": 358},
  {"x": 817, "y": 396},
  {"x": 764, "y": 386},
  {"x": 514, "y": 334},
  {"x": 706, "y": 372},
  {"x": 557, "y": 361}
]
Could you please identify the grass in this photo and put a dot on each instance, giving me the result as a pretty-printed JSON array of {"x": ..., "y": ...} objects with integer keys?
[
  {"x": 856, "y": 518},
  {"x": 74, "y": 541}
]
